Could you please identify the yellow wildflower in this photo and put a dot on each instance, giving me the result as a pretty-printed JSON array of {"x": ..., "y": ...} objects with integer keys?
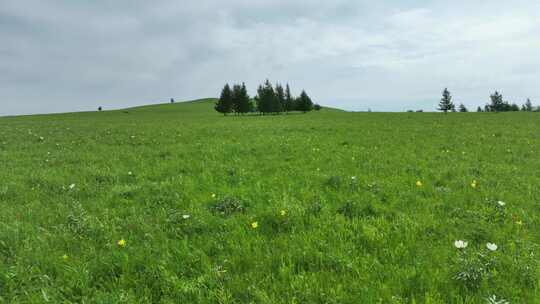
[
  {"x": 283, "y": 212},
  {"x": 121, "y": 243},
  {"x": 419, "y": 184},
  {"x": 254, "y": 225}
]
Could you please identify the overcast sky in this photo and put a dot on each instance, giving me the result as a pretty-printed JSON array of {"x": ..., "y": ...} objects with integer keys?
[{"x": 58, "y": 56}]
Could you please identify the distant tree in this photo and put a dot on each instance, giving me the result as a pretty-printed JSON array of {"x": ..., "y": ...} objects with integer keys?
[
  {"x": 281, "y": 99},
  {"x": 479, "y": 109},
  {"x": 446, "y": 103},
  {"x": 487, "y": 108},
  {"x": 317, "y": 107},
  {"x": 236, "y": 92},
  {"x": 266, "y": 99},
  {"x": 289, "y": 100},
  {"x": 245, "y": 104},
  {"x": 172, "y": 100},
  {"x": 528, "y": 105},
  {"x": 304, "y": 102},
  {"x": 225, "y": 103},
  {"x": 419, "y": 111},
  {"x": 462, "y": 108},
  {"x": 497, "y": 103},
  {"x": 514, "y": 107},
  {"x": 100, "y": 109},
  {"x": 241, "y": 100}
]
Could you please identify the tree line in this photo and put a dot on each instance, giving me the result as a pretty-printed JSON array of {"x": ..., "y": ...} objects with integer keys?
[
  {"x": 497, "y": 104},
  {"x": 269, "y": 100}
]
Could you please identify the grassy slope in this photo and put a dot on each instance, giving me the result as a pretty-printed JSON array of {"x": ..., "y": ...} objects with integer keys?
[{"x": 377, "y": 238}]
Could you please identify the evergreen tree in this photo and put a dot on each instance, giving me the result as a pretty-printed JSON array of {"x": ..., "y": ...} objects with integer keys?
[
  {"x": 245, "y": 101},
  {"x": 528, "y": 105},
  {"x": 514, "y": 107},
  {"x": 462, "y": 108},
  {"x": 497, "y": 103},
  {"x": 236, "y": 96},
  {"x": 267, "y": 101},
  {"x": 479, "y": 109},
  {"x": 289, "y": 100},
  {"x": 225, "y": 103},
  {"x": 446, "y": 103},
  {"x": 172, "y": 100},
  {"x": 281, "y": 99},
  {"x": 304, "y": 102},
  {"x": 241, "y": 101},
  {"x": 317, "y": 107}
]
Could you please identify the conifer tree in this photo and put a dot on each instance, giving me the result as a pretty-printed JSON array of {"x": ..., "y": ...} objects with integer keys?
[
  {"x": 236, "y": 92},
  {"x": 446, "y": 103},
  {"x": 280, "y": 97},
  {"x": 304, "y": 102},
  {"x": 479, "y": 109},
  {"x": 266, "y": 98},
  {"x": 289, "y": 100},
  {"x": 245, "y": 100},
  {"x": 225, "y": 103},
  {"x": 497, "y": 103},
  {"x": 241, "y": 100},
  {"x": 528, "y": 105},
  {"x": 462, "y": 108}
]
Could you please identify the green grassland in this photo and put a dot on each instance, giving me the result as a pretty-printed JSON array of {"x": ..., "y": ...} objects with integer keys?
[{"x": 321, "y": 207}]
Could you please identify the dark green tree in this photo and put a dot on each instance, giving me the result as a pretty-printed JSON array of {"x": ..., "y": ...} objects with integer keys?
[
  {"x": 289, "y": 100},
  {"x": 497, "y": 103},
  {"x": 241, "y": 100},
  {"x": 236, "y": 92},
  {"x": 317, "y": 107},
  {"x": 446, "y": 103},
  {"x": 304, "y": 103},
  {"x": 266, "y": 99},
  {"x": 514, "y": 107},
  {"x": 528, "y": 105},
  {"x": 462, "y": 108},
  {"x": 225, "y": 103},
  {"x": 245, "y": 101},
  {"x": 479, "y": 109},
  {"x": 281, "y": 99}
]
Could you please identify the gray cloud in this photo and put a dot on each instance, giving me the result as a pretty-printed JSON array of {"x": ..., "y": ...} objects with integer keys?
[{"x": 76, "y": 55}]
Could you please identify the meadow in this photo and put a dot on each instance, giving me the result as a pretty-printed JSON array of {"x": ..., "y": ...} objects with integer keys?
[{"x": 176, "y": 203}]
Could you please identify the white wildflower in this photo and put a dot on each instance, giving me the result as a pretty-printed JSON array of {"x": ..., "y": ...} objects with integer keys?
[
  {"x": 460, "y": 244},
  {"x": 492, "y": 246}
]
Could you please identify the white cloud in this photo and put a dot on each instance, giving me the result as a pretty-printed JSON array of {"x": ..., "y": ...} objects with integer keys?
[{"x": 389, "y": 55}]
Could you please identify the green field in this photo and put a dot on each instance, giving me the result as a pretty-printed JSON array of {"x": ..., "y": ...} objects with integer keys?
[{"x": 176, "y": 203}]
